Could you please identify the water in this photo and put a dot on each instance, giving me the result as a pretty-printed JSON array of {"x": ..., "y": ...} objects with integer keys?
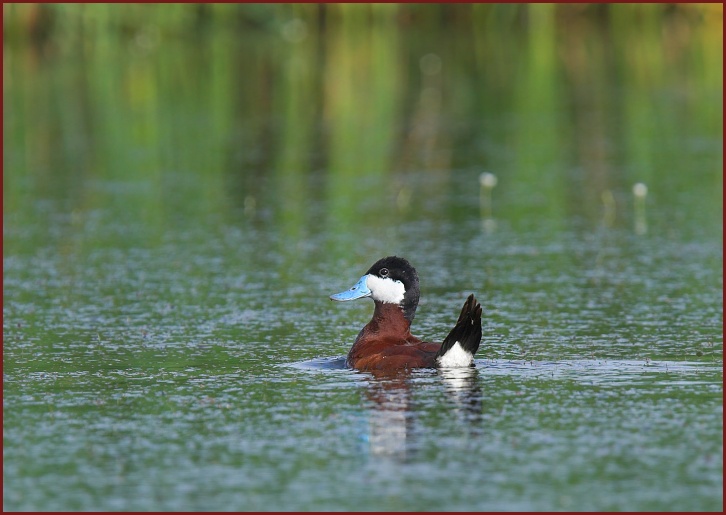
[{"x": 169, "y": 249}]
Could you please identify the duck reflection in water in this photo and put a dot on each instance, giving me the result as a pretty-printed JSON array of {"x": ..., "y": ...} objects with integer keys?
[
  {"x": 393, "y": 419},
  {"x": 463, "y": 389}
]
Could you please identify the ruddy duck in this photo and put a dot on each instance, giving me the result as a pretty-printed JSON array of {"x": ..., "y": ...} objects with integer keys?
[{"x": 386, "y": 342}]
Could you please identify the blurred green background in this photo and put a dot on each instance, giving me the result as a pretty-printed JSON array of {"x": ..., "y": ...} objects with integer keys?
[{"x": 571, "y": 100}]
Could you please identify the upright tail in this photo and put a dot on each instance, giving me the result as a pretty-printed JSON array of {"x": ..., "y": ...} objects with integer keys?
[{"x": 463, "y": 341}]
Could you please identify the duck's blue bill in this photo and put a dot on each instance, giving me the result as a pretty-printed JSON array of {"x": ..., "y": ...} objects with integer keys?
[{"x": 358, "y": 291}]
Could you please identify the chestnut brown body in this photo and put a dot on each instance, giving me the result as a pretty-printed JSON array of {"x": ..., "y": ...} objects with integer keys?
[{"x": 386, "y": 343}]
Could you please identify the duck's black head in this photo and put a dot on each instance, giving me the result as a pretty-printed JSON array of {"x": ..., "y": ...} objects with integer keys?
[{"x": 391, "y": 280}]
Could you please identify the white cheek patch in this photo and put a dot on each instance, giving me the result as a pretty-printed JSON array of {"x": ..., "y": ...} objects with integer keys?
[
  {"x": 456, "y": 357},
  {"x": 385, "y": 290}
]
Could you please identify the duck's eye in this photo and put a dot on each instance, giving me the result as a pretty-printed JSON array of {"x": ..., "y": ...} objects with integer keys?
[{"x": 383, "y": 272}]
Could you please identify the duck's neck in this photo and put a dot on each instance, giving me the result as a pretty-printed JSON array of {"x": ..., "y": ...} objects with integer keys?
[
  {"x": 389, "y": 318},
  {"x": 410, "y": 303},
  {"x": 389, "y": 326}
]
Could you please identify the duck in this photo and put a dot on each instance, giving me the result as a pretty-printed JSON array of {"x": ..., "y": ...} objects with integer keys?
[{"x": 386, "y": 343}]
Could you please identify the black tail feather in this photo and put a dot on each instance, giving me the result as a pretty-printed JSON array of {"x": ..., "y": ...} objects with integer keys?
[{"x": 467, "y": 330}]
